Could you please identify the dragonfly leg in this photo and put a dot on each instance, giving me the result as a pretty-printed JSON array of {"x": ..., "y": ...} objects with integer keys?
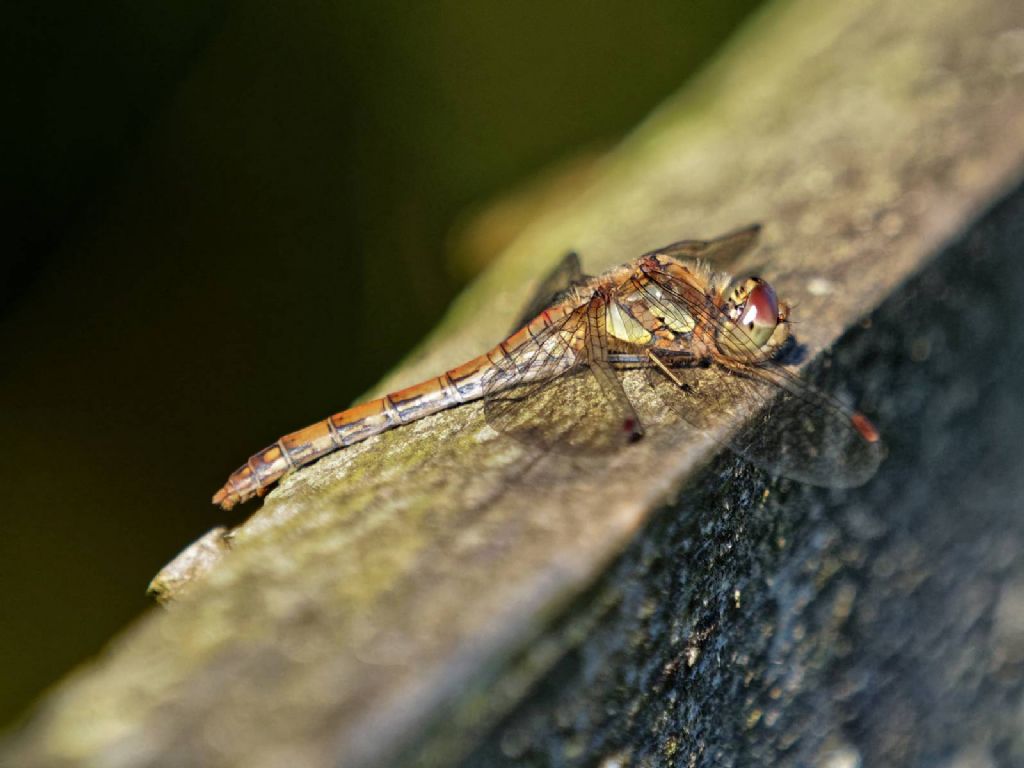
[{"x": 665, "y": 369}]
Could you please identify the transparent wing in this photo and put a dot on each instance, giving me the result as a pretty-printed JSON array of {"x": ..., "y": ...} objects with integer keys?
[
  {"x": 721, "y": 251},
  {"x": 566, "y": 273},
  {"x": 787, "y": 425},
  {"x": 558, "y": 391}
]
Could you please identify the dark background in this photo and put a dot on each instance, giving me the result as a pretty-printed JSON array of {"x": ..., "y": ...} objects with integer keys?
[{"x": 226, "y": 220}]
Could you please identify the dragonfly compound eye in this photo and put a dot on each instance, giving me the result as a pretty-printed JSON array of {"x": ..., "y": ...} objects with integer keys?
[{"x": 755, "y": 309}]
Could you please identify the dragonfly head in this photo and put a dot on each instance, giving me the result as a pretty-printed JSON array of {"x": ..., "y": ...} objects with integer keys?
[{"x": 754, "y": 308}]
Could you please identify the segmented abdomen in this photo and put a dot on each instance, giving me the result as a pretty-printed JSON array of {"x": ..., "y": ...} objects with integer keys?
[{"x": 459, "y": 385}]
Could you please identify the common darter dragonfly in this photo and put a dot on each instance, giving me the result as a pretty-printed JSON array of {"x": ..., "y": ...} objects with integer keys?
[{"x": 704, "y": 342}]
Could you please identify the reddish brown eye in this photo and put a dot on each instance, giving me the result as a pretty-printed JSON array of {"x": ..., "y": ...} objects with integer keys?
[
  {"x": 760, "y": 314},
  {"x": 765, "y": 301}
]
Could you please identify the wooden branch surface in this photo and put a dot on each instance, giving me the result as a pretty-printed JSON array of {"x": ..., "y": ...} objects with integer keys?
[{"x": 371, "y": 589}]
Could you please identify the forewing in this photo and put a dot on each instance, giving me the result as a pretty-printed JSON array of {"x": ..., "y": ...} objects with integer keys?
[
  {"x": 721, "y": 252},
  {"x": 776, "y": 421}
]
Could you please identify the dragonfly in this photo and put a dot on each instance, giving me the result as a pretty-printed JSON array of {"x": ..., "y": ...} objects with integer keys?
[{"x": 706, "y": 344}]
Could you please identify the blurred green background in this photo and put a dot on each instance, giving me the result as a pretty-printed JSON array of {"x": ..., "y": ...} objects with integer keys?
[{"x": 226, "y": 220}]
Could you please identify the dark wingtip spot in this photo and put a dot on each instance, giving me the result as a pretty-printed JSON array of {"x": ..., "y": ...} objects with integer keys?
[
  {"x": 632, "y": 429},
  {"x": 864, "y": 426}
]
